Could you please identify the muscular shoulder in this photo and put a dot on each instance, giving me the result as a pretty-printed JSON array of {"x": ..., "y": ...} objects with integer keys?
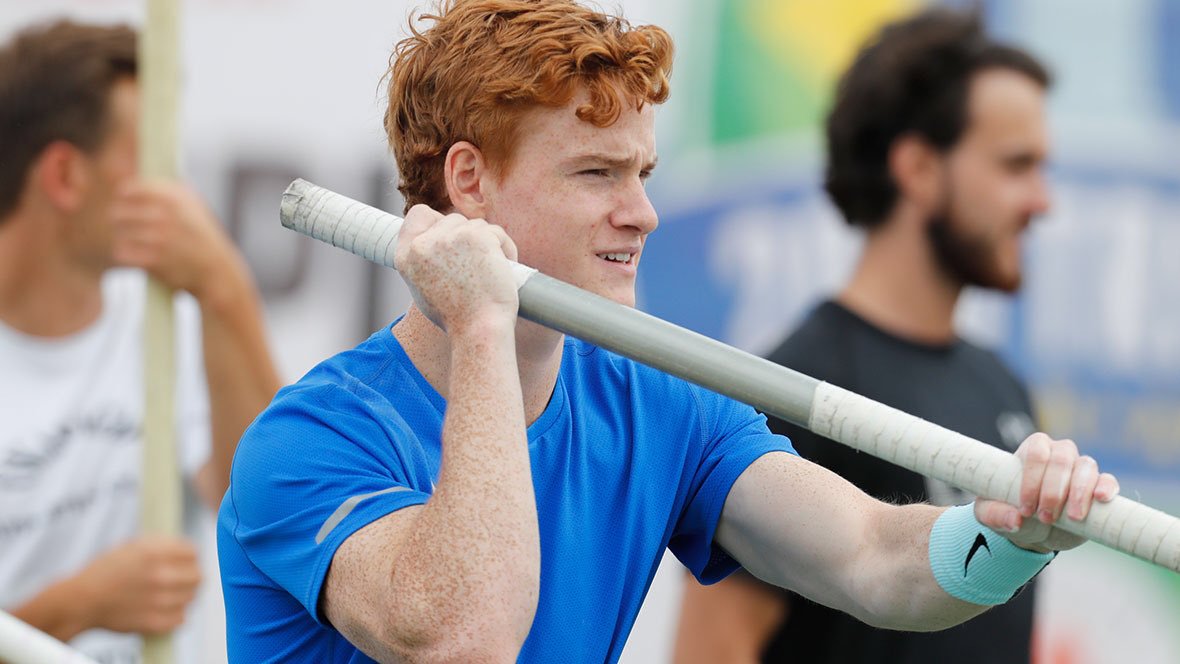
[
  {"x": 343, "y": 382},
  {"x": 356, "y": 402}
]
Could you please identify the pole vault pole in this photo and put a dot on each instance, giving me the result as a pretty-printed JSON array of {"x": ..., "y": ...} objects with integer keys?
[
  {"x": 21, "y": 643},
  {"x": 825, "y": 409},
  {"x": 159, "y": 75}
]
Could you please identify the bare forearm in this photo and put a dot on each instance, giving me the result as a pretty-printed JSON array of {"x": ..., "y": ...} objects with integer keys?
[
  {"x": 898, "y": 590},
  {"x": 799, "y": 526},
  {"x": 238, "y": 367},
  {"x": 469, "y": 573}
]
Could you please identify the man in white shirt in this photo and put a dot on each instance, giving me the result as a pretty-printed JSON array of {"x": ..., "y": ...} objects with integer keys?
[{"x": 73, "y": 217}]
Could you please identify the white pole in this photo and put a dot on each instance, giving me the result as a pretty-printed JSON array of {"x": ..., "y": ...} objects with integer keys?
[
  {"x": 160, "y": 496},
  {"x": 856, "y": 421},
  {"x": 21, "y": 643}
]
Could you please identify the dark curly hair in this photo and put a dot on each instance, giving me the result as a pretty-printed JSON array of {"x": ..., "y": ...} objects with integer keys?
[{"x": 912, "y": 78}]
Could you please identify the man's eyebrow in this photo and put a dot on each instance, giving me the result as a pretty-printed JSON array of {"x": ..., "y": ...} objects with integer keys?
[
  {"x": 607, "y": 160},
  {"x": 1024, "y": 157}
]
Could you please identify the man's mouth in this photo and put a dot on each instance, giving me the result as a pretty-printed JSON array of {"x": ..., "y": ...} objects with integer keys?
[{"x": 617, "y": 257}]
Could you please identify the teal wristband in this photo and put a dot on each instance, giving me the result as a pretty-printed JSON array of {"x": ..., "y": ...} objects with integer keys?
[{"x": 976, "y": 565}]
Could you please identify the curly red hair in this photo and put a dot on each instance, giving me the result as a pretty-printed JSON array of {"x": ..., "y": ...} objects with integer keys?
[{"x": 484, "y": 63}]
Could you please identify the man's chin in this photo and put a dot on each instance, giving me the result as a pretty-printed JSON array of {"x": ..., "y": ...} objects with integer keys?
[
  {"x": 975, "y": 263},
  {"x": 610, "y": 289},
  {"x": 623, "y": 296},
  {"x": 1005, "y": 274},
  {"x": 1012, "y": 283},
  {"x": 999, "y": 280},
  {"x": 627, "y": 299}
]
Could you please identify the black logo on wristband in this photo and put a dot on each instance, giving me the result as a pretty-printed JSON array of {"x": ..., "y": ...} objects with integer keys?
[{"x": 980, "y": 542}]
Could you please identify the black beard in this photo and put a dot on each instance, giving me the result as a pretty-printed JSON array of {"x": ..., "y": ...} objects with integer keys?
[{"x": 967, "y": 259}]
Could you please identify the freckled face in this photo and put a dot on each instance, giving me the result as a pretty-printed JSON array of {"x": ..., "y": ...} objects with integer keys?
[{"x": 573, "y": 200}]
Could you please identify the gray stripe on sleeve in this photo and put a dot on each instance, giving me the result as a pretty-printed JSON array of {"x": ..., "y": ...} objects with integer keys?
[{"x": 346, "y": 508}]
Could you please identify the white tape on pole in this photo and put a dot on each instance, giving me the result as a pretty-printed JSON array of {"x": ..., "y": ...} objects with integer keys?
[
  {"x": 21, "y": 643},
  {"x": 968, "y": 464},
  {"x": 835, "y": 413}
]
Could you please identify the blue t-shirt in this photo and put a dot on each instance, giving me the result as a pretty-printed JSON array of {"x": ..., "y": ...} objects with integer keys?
[{"x": 626, "y": 461}]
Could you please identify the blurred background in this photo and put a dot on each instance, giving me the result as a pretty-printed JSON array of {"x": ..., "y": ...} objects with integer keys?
[{"x": 278, "y": 89}]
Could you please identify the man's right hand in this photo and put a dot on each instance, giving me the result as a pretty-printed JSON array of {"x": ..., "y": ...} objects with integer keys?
[
  {"x": 456, "y": 267},
  {"x": 142, "y": 586}
]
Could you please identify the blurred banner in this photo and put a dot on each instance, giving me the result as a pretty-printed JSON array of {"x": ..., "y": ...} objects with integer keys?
[
  {"x": 748, "y": 243},
  {"x": 277, "y": 89}
]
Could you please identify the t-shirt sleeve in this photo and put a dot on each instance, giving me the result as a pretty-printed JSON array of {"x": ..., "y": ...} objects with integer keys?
[
  {"x": 734, "y": 435},
  {"x": 807, "y": 444},
  {"x": 313, "y": 469}
]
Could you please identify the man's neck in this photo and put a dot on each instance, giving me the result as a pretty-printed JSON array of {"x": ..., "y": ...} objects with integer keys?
[
  {"x": 899, "y": 286},
  {"x": 43, "y": 290},
  {"x": 538, "y": 357}
]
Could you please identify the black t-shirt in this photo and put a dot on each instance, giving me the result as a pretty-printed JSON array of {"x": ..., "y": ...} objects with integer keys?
[{"x": 957, "y": 385}]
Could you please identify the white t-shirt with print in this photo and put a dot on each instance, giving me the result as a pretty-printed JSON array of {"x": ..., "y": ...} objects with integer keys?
[{"x": 71, "y": 417}]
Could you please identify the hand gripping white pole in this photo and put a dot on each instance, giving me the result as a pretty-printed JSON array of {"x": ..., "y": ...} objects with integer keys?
[
  {"x": 829, "y": 411},
  {"x": 20, "y": 643}
]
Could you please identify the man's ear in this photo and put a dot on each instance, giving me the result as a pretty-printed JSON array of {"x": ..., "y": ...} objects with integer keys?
[
  {"x": 60, "y": 175},
  {"x": 465, "y": 169},
  {"x": 916, "y": 167}
]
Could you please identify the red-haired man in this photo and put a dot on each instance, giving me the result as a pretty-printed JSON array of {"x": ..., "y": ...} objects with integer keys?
[{"x": 467, "y": 487}]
